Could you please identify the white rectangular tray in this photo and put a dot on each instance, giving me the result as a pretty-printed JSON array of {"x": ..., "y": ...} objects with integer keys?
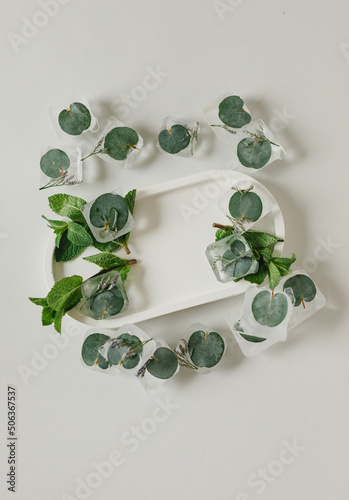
[{"x": 173, "y": 228}]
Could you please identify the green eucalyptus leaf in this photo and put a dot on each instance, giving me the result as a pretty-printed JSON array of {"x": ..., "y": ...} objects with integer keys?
[
  {"x": 66, "y": 250},
  {"x": 246, "y": 206},
  {"x": 109, "y": 211},
  {"x": 252, "y": 338},
  {"x": 205, "y": 349},
  {"x": 237, "y": 260},
  {"x": 116, "y": 353},
  {"x": 78, "y": 235},
  {"x": 89, "y": 352},
  {"x": 106, "y": 260},
  {"x": 106, "y": 303},
  {"x": 67, "y": 206},
  {"x": 304, "y": 289},
  {"x": 269, "y": 310},
  {"x": 254, "y": 153},
  {"x": 231, "y": 112},
  {"x": 54, "y": 163},
  {"x": 66, "y": 293},
  {"x": 163, "y": 364},
  {"x": 75, "y": 119},
  {"x": 174, "y": 139},
  {"x": 257, "y": 277},
  {"x": 119, "y": 142}
]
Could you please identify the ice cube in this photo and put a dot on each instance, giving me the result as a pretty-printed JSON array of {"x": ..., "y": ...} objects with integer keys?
[
  {"x": 308, "y": 297},
  {"x": 91, "y": 358},
  {"x": 103, "y": 296},
  {"x": 200, "y": 349},
  {"x": 72, "y": 118},
  {"x": 108, "y": 217},
  {"x": 244, "y": 204},
  {"x": 264, "y": 320},
  {"x": 178, "y": 136},
  {"x": 128, "y": 348},
  {"x": 60, "y": 166},
  {"x": 231, "y": 258},
  {"x": 160, "y": 366}
]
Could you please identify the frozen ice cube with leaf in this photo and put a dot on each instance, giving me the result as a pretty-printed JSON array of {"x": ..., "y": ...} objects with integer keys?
[
  {"x": 108, "y": 217},
  {"x": 178, "y": 136},
  {"x": 231, "y": 258},
  {"x": 200, "y": 349},
  {"x": 244, "y": 204},
  {"x": 72, "y": 117},
  {"x": 103, "y": 296}
]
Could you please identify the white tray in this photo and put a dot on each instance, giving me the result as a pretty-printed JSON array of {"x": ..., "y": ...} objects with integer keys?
[{"x": 172, "y": 272}]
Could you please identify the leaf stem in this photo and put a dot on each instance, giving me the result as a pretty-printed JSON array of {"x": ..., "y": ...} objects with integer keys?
[{"x": 220, "y": 226}]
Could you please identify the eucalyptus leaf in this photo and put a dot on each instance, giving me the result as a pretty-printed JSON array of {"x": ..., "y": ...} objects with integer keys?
[
  {"x": 131, "y": 343},
  {"x": 237, "y": 260},
  {"x": 252, "y": 338},
  {"x": 257, "y": 277},
  {"x": 119, "y": 142},
  {"x": 163, "y": 363},
  {"x": 54, "y": 163},
  {"x": 89, "y": 352},
  {"x": 174, "y": 139},
  {"x": 304, "y": 289},
  {"x": 231, "y": 112},
  {"x": 75, "y": 119},
  {"x": 269, "y": 310},
  {"x": 106, "y": 303},
  {"x": 109, "y": 211},
  {"x": 205, "y": 349},
  {"x": 246, "y": 206},
  {"x": 254, "y": 153}
]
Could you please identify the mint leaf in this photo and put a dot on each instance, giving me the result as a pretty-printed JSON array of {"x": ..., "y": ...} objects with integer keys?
[
  {"x": 220, "y": 233},
  {"x": 67, "y": 250},
  {"x": 257, "y": 277},
  {"x": 274, "y": 275},
  {"x": 105, "y": 260},
  {"x": 66, "y": 293},
  {"x": 110, "y": 246},
  {"x": 56, "y": 225},
  {"x": 266, "y": 254},
  {"x": 259, "y": 239},
  {"x": 124, "y": 272},
  {"x": 48, "y": 316},
  {"x": 78, "y": 235},
  {"x": 58, "y": 238},
  {"x": 58, "y": 320},
  {"x": 67, "y": 206},
  {"x": 130, "y": 199},
  {"x": 39, "y": 302}
]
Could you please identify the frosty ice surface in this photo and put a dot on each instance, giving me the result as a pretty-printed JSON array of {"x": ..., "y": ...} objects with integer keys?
[{"x": 178, "y": 136}]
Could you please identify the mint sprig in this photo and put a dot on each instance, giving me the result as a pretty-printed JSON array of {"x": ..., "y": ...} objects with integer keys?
[
  {"x": 73, "y": 236},
  {"x": 262, "y": 244}
]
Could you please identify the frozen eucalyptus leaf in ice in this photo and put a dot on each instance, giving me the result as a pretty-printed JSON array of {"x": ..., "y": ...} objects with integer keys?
[
  {"x": 245, "y": 205},
  {"x": 163, "y": 363},
  {"x": 303, "y": 288},
  {"x": 269, "y": 310},
  {"x": 54, "y": 163},
  {"x": 235, "y": 262},
  {"x": 107, "y": 302},
  {"x": 205, "y": 349},
  {"x": 119, "y": 141},
  {"x": 175, "y": 139},
  {"x": 129, "y": 343},
  {"x": 75, "y": 119},
  {"x": 254, "y": 153},
  {"x": 90, "y": 347},
  {"x": 231, "y": 112},
  {"x": 109, "y": 211}
]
